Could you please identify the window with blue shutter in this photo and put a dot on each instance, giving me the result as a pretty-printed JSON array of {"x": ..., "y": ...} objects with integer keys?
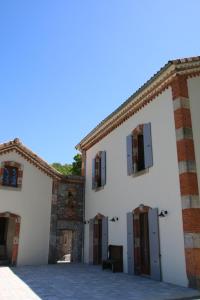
[
  {"x": 139, "y": 149},
  {"x": 99, "y": 170}
]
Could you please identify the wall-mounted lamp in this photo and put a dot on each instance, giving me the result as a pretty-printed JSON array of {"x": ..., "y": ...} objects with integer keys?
[
  {"x": 114, "y": 219},
  {"x": 163, "y": 213}
]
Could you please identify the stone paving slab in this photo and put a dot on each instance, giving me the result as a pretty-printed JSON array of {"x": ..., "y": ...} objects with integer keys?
[{"x": 83, "y": 282}]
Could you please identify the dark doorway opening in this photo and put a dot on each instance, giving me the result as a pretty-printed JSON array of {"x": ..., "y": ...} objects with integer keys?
[
  {"x": 65, "y": 246},
  {"x": 97, "y": 242},
  {"x": 3, "y": 231},
  {"x": 3, "y": 241}
]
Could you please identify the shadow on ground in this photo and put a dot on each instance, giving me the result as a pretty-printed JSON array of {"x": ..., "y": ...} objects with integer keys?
[{"x": 83, "y": 282}]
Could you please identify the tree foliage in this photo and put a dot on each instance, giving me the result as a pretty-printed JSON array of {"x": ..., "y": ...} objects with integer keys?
[
  {"x": 76, "y": 165},
  {"x": 65, "y": 169},
  {"x": 69, "y": 169}
]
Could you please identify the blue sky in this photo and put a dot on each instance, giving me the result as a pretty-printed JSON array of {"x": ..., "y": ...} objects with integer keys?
[{"x": 66, "y": 64}]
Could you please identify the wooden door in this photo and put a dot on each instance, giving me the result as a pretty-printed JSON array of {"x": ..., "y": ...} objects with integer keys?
[
  {"x": 97, "y": 242},
  {"x": 144, "y": 244}
]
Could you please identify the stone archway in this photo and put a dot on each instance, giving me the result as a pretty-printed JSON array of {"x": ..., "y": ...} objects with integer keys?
[{"x": 14, "y": 239}]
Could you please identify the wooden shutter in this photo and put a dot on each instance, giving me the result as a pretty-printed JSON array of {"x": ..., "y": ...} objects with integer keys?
[
  {"x": 130, "y": 243},
  {"x": 91, "y": 242},
  {"x": 129, "y": 149},
  {"x": 148, "y": 154},
  {"x": 154, "y": 244},
  {"x": 103, "y": 168},
  {"x": 105, "y": 238},
  {"x": 93, "y": 174}
]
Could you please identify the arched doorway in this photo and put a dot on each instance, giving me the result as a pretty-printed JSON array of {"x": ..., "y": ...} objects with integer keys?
[
  {"x": 98, "y": 239},
  {"x": 143, "y": 244},
  {"x": 141, "y": 236},
  {"x": 9, "y": 237}
]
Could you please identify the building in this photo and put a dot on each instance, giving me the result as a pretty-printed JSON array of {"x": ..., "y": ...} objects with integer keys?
[
  {"x": 38, "y": 206},
  {"x": 66, "y": 233},
  {"x": 142, "y": 171}
]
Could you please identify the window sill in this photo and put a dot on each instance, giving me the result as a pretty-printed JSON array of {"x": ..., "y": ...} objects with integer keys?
[
  {"x": 10, "y": 188},
  {"x": 99, "y": 188},
  {"x": 140, "y": 173}
]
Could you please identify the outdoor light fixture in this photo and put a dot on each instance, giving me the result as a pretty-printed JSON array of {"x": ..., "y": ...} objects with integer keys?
[
  {"x": 114, "y": 219},
  {"x": 86, "y": 222},
  {"x": 163, "y": 213}
]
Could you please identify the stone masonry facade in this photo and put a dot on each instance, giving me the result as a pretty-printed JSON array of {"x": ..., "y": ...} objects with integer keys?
[{"x": 67, "y": 215}]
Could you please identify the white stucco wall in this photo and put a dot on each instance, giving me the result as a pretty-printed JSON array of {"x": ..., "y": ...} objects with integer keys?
[
  {"x": 194, "y": 96},
  {"x": 158, "y": 188},
  {"x": 33, "y": 204}
]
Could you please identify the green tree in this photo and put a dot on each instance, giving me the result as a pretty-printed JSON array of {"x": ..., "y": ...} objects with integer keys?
[
  {"x": 65, "y": 169},
  {"x": 69, "y": 169},
  {"x": 76, "y": 165}
]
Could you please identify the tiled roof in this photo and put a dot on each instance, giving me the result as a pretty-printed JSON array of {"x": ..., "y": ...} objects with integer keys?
[
  {"x": 30, "y": 156},
  {"x": 172, "y": 68}
]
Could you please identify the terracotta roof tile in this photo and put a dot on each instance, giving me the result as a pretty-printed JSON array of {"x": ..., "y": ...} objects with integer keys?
[
  {"x": 91, "y": 138},
  {"x": 31, "y": 157}
]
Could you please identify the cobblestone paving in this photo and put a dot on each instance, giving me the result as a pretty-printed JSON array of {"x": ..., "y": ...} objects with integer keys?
[{"x": 81, "y": 282}]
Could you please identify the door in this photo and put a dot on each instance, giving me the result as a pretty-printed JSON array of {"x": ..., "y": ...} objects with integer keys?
[
  {"x": 97, "y": 242},
  {"x": 144, "y": 244}
]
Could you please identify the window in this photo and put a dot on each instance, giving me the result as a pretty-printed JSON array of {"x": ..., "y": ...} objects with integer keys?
[
  {"x": 10, "y": 176},
  {"x": 99, "y": 170},
  {"x": 139, "y": 149}
]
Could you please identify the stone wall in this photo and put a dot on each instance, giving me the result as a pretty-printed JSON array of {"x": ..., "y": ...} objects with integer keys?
[{"x": 67, "y": 214}]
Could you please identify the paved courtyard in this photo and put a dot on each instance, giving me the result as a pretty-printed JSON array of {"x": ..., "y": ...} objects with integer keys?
[{"x": 78, "y": 281}]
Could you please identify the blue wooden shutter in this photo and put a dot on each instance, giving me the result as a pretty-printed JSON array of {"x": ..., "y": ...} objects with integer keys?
[
  {"x": 105, "y": 238},
  {"x": 91, "y": 238},
  {"x": 130, "y": 243},
  {"x": 103, "y": 168},
  {"x": 93, "y": 175},
  {"x": 148, "y": 153},
  {"x": 154, "y": 244},
  {"x": 129, "y": 149}
]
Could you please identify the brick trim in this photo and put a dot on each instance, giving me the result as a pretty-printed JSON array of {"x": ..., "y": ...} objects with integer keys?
[
  {"x": 187, "y": 177},
  {"x": 174, "y": 75},
  {"x": 31, "y": 157}
]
